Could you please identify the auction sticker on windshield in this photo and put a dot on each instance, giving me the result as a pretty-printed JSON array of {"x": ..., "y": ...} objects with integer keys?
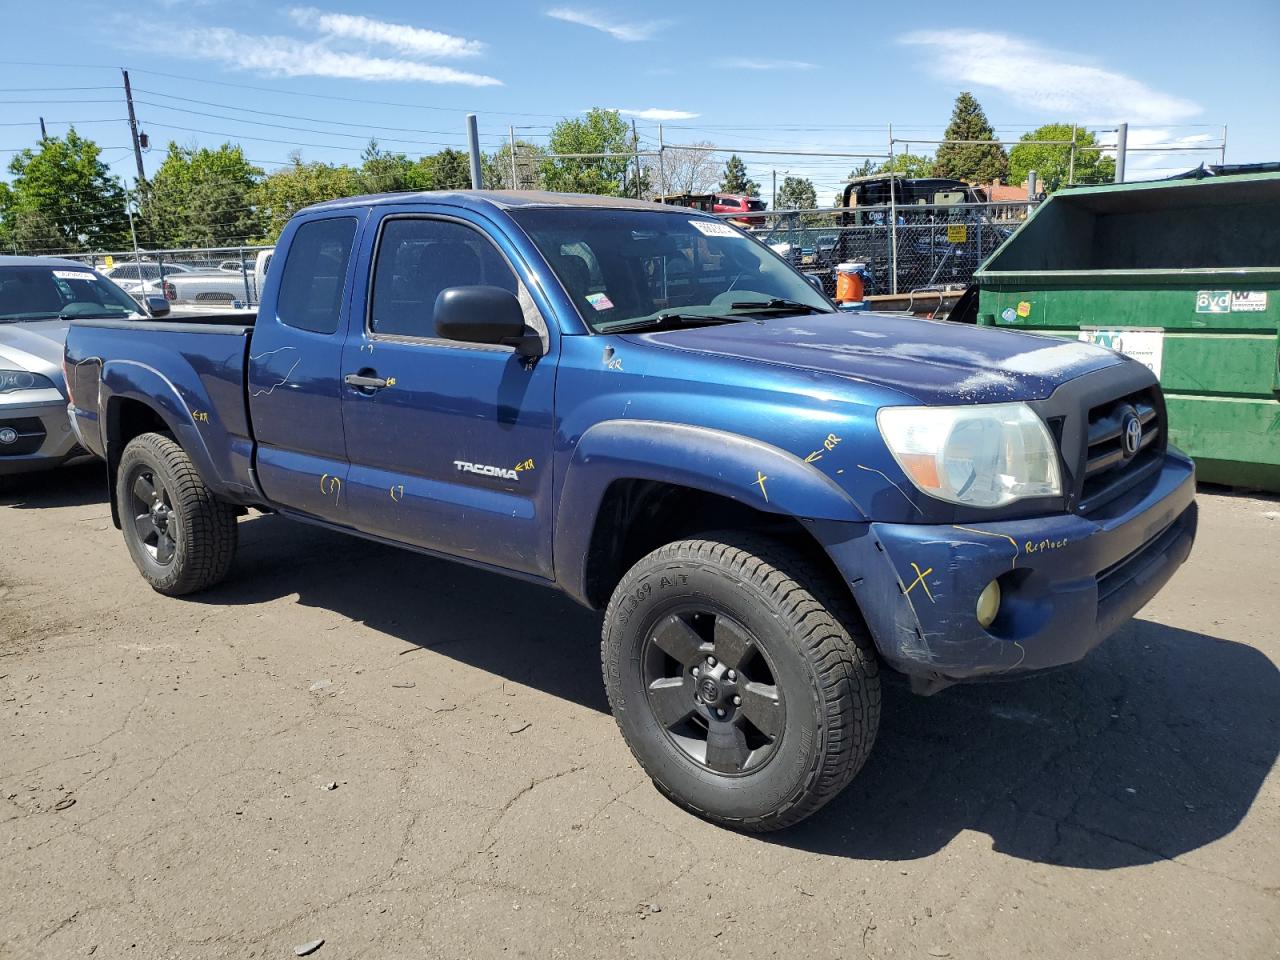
[
  {"x": 72, "y": 275},
  {"x": 1145, "y": 346},
  {"x": 713, "y": 228}
]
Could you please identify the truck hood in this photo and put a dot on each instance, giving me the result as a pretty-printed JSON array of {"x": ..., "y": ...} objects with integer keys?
[
  {"x": 930, "y": 361},
  {"x": 34, "y": 346}
]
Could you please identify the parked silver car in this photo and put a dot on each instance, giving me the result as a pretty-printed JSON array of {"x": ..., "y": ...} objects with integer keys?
[{"x": 39, "y": 296}]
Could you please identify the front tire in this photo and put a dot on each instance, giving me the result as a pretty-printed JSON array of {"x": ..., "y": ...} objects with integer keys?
[
  {"x": 742, "y": 680},
  {"x": 181, "y": 538}
]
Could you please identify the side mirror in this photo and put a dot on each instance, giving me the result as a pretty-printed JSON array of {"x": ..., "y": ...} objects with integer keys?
[
  {"x": 482, "y": 314},
  {"x": 157, "y": 307}
]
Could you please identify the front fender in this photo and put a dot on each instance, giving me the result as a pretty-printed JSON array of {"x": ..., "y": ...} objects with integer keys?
[{"x": 749, "y": 471}]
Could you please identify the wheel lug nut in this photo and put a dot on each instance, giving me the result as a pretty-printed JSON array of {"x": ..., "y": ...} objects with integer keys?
[
  {"x": 711, "y": 661},
  {"x": 719, "y": 711},
  {"x": 696, "y": 671},
  {"x": 733, "y": 675},
  {"x": 737, "y": 701}
]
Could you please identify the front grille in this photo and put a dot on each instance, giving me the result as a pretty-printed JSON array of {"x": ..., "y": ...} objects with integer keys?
[
  {"x": 1109, "y": 467},
  {"x": 215, "y": 296},
  {"x": 30, "y": 433}
]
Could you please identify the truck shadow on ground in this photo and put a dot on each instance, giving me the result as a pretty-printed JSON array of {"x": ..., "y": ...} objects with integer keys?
[
  {"x": 1154, "y": 746},
  {"x": 75, "y": 486}
]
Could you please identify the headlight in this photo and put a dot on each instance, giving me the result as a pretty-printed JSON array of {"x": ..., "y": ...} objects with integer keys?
[
  {"x": 13, "y": 380},
  {"x": 985, "y": 455}
]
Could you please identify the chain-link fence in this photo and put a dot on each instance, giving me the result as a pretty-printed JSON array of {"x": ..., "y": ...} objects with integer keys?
[
  {"x": 902, "y": 248},
  {"x": 209, "y": 277}
]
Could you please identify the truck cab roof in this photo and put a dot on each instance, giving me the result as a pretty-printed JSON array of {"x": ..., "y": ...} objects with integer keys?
[{"x": 498, "y": 200}]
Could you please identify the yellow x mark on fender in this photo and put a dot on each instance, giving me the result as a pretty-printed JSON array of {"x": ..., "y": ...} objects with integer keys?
[{"x": 920, "y": 575}]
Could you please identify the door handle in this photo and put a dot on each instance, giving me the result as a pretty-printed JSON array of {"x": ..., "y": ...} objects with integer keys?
[{"x": 362, "y": 382}]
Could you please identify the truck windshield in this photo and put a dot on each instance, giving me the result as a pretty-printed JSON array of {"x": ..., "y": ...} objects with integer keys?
[
  {"x": 30, "y": 292},
  {"x": 634, "y": 268}
]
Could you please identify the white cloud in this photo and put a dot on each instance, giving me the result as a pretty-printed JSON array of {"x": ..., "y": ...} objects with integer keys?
[
  {"x": 755, "y": 63},
  {"x": 657, "y": 113},
  {"x": 1048, "y": 81},
  {"x": 630, "y": 32},
  {"x": 290, "y": 57},
  {"x": 412, "y": 41}
]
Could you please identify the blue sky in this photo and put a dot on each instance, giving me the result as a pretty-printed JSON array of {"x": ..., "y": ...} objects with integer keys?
[{"x": 746, "y": 74}]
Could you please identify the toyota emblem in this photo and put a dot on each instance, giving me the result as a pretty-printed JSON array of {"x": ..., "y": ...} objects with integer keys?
[{"x": 1132, "y": 434}]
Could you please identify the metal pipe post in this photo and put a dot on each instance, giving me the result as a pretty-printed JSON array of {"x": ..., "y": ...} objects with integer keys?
[
  {"x": 515, "y": 177},
  {"x": 133, "y": 127},
  {"x": 473, "y": 142},
  {"x": 1071, "y": 164},
  {"x": 893, "y": 220},
  {"x": 662, "y": 169},
  {"x": 1122, "y": 144}
]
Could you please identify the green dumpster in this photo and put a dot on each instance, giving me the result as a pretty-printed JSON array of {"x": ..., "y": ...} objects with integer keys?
[{"x": 1183, "y": 275}]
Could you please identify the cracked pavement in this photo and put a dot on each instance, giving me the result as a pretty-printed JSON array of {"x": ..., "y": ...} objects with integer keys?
[{"x": 164, "y": 764}]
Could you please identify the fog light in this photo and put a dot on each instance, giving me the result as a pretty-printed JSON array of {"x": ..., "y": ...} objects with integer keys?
[
  {"x": 8, "y": 435},
  {"x": 988, "y": 604}
]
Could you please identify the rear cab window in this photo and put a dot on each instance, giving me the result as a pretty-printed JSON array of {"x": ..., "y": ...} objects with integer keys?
[{"x": 315, "y": 275}]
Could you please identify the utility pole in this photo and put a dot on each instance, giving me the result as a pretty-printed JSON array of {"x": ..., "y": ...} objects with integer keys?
[
  {"x": 515, "y": 177},
  {"x": 133, "y": 127},
  {"x": 635, "y": 146},
  {"x": 44, "y": 136}
]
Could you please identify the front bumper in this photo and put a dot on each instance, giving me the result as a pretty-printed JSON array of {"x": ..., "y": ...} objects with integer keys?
[
  {"x": 1067, "y": 581},
  {"x": 43, "y": 432}
]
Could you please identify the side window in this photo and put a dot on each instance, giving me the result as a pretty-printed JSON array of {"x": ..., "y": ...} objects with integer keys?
[
  {"x": 417, "y": 258},
  {"x": 315, "y": 272}
]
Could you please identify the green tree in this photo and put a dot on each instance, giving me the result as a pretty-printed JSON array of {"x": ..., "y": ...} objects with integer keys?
[
  {"x": 598, "y": 131},
  {"x": 285, "y": 191},
  {"x": 908, "y": 165},
  {"x": 201, "y": 198},
  {"x": 63, "y": 199},
  {"x": 383, "y": 171},
  {"x": 735, "y": 179},
  {"x": 449, "y": 169},
  {"x": 1053, "y": 163},
  {"x": 974, "y": 162},
  {"x": 796, "y": 193}
]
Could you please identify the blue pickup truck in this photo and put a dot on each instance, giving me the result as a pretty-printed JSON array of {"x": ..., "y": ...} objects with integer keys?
[{"x": 649, "y": 410}]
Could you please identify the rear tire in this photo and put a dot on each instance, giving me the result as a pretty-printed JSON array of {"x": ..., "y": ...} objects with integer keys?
[
  {"x": 742, "y": 679},
  {"x": 180, "y": 537}
]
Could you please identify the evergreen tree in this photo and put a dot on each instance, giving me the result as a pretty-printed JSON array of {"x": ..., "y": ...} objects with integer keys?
[
  {"x": 797, "y": 193},
  {"x": 974, "y": 162},
  {"x": 382, "y": 171},
  {"x": 735, "y": 179},
  {"x": 201, "y": 198}
]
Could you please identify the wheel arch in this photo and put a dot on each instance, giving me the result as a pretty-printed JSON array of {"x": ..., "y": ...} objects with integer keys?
[{"x": 632, "y": 486}]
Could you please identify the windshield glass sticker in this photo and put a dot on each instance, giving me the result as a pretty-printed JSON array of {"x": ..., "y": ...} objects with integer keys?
[
  {"x": 713, "y": 228},
  {"x": 600, "y": 301},
  {"x": 72, "y": 275}
]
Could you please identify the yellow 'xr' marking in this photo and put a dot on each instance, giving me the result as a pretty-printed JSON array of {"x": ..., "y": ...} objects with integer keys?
[
  {"x": 920, "y": 580},
  {"x": 760, "y": 479}
]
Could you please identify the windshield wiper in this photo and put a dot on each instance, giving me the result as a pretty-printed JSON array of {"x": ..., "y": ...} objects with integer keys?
[
  {"x": 680, "y": 319},
  {"x": 777, "y": 303}
]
